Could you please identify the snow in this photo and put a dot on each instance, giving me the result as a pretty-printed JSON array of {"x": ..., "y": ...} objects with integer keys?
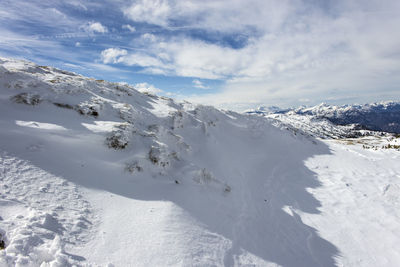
[
  {"x": 102, "y": 126},
  {"x": 94, "y": 173},
  {"x": 321, "y": 128},
  {"x": 360, "y": 196},
  {"x": 36, "y": 209},
  {"x": 39, "y": 125},
  {"x": 161, "y": 107}
]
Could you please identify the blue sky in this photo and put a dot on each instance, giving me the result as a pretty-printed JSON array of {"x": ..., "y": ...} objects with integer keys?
[{"x": 232, "y": 54}]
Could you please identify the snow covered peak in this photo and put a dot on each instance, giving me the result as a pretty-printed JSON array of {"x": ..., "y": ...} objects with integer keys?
[
  {"x": 325, "y": 109},
  {"x": 382, "y": 116}
]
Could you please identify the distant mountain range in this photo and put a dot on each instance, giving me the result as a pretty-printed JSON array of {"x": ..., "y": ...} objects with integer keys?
[{"x": 338, "y": 121}]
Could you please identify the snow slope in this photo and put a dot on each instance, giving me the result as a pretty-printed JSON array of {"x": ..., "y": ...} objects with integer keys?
[
  {"x": 360, "y": 198},
  {"x": 94, "y": 173}
]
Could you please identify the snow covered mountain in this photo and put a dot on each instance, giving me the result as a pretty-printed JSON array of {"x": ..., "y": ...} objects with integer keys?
[
  {"x": 94, "y": 173},
  {"x": 383, "y": 116},
  {"x": 346, "y": 121}
]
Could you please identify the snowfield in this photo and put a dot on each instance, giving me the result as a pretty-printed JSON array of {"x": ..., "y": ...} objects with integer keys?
[{"x": 94, "y": 173}]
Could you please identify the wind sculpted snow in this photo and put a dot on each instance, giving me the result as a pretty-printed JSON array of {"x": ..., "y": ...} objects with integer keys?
[{"x": 165, "y": 183}]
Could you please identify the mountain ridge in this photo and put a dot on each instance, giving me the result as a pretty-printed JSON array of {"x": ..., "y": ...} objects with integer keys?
[{"x": 331, "y": 121}]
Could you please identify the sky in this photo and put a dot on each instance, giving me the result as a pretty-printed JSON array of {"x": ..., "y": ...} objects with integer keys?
[{"x": 228, "y": 53}]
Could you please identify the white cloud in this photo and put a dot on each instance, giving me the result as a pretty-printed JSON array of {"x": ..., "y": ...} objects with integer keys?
[
  {"x": 291, "y": 50},
  {"x": 185, "y": 57},
  {"x": 150, "y": 11},
  {"x": 93, "y": 27},
  {"x": 198, "y": 84},
  {"x": 129, "y": 27},
  {"x": 147, "y": 88},
  {"x": 294, "y": 50},
  {"x": 289, "y": 34},
  {"x": 113, "y": 55},
  {"x": 219, "y": 15}
]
